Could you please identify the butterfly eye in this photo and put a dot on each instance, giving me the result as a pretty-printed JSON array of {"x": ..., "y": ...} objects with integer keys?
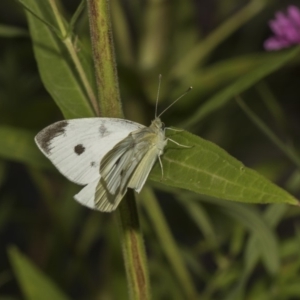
[{"x": 163, "y": 125}]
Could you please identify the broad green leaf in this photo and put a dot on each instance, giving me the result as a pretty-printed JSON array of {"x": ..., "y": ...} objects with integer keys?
[
  {"x": 18, "y": 145},
  {"x": 57, "y": 71},
  {"x": 209, "y": 170},
  {"x": 12, "y": 31},
  {"x": 271, "y": 64},
  {"x": 34, "y": 283}
]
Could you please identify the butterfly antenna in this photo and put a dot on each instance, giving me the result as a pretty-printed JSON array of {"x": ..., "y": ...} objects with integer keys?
[
  {"x": 159, "y": 81},
  {"x": 188, "y": 90}
]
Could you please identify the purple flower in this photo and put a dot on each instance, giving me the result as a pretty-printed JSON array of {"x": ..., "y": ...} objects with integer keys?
[{"x": 286, "y": 29}]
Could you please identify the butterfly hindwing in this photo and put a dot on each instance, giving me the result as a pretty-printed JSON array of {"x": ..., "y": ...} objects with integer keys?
[
  {"x": 143, "y": 169},
  {"x": 128, "y": 164},
  {"x": 95, "y": 196},
  {"x": 106, "y": 193}
]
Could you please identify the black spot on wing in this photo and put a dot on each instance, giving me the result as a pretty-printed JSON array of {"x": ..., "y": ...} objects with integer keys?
[
  {"x": 45, "y": 137},
  {"x": 93, "y": 164},
  {"x": 79, "y": 149}
]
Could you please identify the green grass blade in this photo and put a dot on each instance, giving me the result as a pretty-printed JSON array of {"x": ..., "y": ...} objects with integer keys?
[
  {"x": 200, "y": 51},
  {"x": 272, "y": 104},
  {"x": 168, "y": 243},
  {"x": 201, "y": 219},
  {"x": 34, "y": 283},
  {"x": 272, "y": 216},
  {"x": 287, "y": 150},
  {"x": 214, "y": 77},
  {"x": 271, "y": 64},
  {"x": 257, "y": 225}
]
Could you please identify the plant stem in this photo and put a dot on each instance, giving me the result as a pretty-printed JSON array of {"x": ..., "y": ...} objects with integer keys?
[
  {"x": 133, "y": 249},
  {"x": 110, "y": 105},
  {"x": 104, "y": 58}
]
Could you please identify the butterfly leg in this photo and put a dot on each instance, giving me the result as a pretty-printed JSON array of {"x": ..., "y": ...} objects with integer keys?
[
  {"x": 161, "y": 166},
  {"x": 184, "y": 146},
  {"x": 178, "y": 130}
]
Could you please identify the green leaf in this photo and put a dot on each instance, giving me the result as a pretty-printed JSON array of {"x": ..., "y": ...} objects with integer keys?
[
  {"x": 256, "y": 224},
  {"x": 271, "y": 64},
  {"x": 273, "y": 215},
  {"x": 204, "y": 47},
  {"x": 211, "y": 78},
  {"x": 34, "y": 283},
  {"x": 265, "y": 241},
  {"x": 168, "y": 243},
  {"x": 18, "y": 145},
  {"x": 209, "y": 170},
  {"x": 58, "y": 72},
  {"x": 201, "y": 219},
  {"x": 264, "y": 238},
  {"x": 12, "y": 31},
  {"x": 286, "y": 149}
]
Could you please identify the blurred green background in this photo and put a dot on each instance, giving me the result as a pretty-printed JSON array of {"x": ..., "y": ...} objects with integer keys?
[{"x": 231, "y": 250}]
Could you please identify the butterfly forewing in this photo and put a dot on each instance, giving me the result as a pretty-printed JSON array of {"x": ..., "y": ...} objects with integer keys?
[{"x": 77, "y": 146}]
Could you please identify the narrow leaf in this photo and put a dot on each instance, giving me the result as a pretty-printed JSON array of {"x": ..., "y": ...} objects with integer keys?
[
  {"x": 287, "y": 150},
  {"x": 271, "y": 64},
  {"x": 272, "y": 216},
  {"x": 18, "y": 145},
  {"x": 264, "y": 238},
  {"x": 267, "y": 244},
  {"x": 168, "y": 243},
  {"x": 12, "y": 31},
  {"x": 34, "y": 283},
  {"x": 56, "y": 68}
]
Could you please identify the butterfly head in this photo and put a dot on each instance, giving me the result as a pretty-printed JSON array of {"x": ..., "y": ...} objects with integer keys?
[{"x": 158, "y": 125}]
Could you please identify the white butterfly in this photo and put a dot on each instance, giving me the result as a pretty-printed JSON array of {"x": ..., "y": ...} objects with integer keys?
[{"x": 108, "y": 155}]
